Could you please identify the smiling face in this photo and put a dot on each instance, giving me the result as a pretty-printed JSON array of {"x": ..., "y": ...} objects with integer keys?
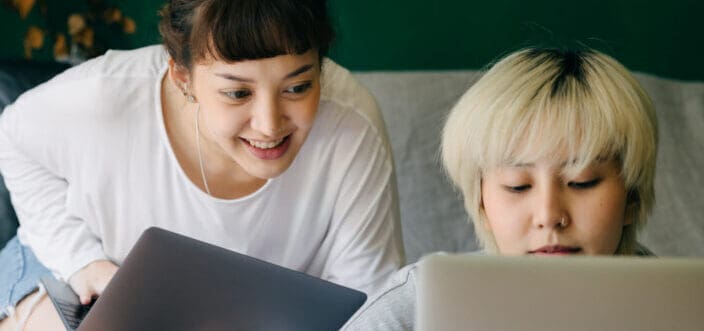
[
  {"x": 257, "y": 113},
  {"x": 537, "y": 208}
]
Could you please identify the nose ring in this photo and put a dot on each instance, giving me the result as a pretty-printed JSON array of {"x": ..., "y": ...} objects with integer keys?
[{"x": 563, "y": 221}]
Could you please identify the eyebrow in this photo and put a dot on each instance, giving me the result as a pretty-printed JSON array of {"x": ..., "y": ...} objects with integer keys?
[
  {"x": 530, "y": 164},
  {"x": 599, "y": 160},
  {"x": 302, "y": 69}
]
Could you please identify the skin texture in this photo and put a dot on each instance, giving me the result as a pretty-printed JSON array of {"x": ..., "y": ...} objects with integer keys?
[
  {"x": 531, "y": 208},
  {"x": 260, "y": 100}
]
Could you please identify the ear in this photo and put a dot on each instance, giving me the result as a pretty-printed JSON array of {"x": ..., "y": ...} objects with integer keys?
[
  {"x": 632, "y": 206},
  {"x": 179, "y": 75},
  {"x": 482, "y": 213},
  {"x": 631, "y": 210},
  {"x": 482, "y": 217}
]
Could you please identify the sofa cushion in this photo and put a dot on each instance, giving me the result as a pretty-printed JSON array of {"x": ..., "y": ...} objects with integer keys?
[{"x": 15, "y": 78}]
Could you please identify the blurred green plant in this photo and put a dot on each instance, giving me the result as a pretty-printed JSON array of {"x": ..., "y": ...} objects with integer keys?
[{"x": 75, "y": 30}]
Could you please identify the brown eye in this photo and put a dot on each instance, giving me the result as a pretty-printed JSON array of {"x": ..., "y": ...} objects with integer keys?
[
  {"x": 299, "y": 89},
  {"x": 239, "y": 94}
]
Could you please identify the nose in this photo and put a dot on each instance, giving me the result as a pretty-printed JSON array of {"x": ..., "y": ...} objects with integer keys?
[
  {"x": 267, "y": 117},
  {"x": 550, "y": 210}
]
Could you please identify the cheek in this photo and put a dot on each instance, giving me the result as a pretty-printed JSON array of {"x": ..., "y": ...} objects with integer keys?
[
  {"x": 609, "y": 207},
  {"x": 303, "y": 113},
  {"x": 604, "y": 221},
  {"x": 226, "y": 122},
  {"x": 499, "y": 219}
]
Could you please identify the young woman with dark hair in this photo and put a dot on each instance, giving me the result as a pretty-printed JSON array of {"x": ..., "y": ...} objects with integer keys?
[{"x": 237, "y": 131}]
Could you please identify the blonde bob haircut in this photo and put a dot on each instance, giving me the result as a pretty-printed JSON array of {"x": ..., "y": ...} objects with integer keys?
[{"x": 538, "y": 102}]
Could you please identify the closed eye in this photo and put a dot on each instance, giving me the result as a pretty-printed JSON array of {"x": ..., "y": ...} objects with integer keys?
[
  {"x": 517, "y": 189},
  {"x": 584, "y": 185}
]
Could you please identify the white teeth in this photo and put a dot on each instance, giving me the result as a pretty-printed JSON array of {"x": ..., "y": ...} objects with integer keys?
[{"x": 265, "y": 144}]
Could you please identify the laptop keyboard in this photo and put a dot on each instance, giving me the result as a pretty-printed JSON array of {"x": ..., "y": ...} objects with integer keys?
[{"x": 73, "y": 314}]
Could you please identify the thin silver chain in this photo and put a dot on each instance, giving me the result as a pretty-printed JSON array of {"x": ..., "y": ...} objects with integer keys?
[{"x": 200, "y": 155}]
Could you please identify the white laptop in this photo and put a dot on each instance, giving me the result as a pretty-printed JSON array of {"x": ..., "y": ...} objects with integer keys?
[{"x": 465, "y": 292}]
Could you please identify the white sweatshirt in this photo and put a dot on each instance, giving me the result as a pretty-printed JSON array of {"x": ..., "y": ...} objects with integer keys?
[{"x": 89, "y": 167}]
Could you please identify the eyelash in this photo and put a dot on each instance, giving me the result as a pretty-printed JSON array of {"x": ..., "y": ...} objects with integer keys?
[
  {"x": 296, "y": 89},
  {"x": 238, "y": 95},
  {"x": 517, "y": 189},
  {"x": 584, "y": 185},
  {"x": 300, "y": 88},
  {"x": 576, "y": 185}
]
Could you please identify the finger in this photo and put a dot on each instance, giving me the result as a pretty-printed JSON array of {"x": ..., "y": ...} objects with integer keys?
[
  {"x": 85, "y": 299},
  {"x": 86, "y": 296}
]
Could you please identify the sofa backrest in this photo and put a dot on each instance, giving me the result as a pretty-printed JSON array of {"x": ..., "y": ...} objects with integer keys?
[{"x": 415, "y": 104}]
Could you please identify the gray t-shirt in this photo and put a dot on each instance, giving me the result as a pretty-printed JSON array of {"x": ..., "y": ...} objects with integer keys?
[
  {"x": 394, "y": 307},
  {"x": 391, "y": 309}
]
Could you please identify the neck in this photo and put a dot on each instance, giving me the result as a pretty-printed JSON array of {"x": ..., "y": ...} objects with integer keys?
[{"x": 225, "y": 178}]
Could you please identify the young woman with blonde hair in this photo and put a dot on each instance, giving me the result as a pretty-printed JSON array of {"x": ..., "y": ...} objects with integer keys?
[{"x": 554, "y": 152}]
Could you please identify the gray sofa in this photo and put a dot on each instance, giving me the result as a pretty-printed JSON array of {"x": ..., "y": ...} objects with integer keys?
[{"x": 414, "y": 105}]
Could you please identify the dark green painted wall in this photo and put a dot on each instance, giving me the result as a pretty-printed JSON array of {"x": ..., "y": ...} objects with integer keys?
[{"x": 660, "y": 37}]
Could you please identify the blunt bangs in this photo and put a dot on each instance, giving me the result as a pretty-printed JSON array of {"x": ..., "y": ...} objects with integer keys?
[
  {"x": 254, "y": 29},
  {"x": 562, "y": 106}
]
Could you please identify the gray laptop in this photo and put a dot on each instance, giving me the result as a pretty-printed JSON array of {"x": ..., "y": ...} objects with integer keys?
[
  {"x": 462, "y": 292},
  {"x": 172, "y": 282}
]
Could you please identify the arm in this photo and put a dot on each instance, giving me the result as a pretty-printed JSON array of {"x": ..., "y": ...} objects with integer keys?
[
  {"x": 368, "y": 246},
  {"x": 29, "y": 151}
]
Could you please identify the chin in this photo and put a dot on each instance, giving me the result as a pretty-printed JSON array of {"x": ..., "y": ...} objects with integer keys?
[{"x": 269, "y": 171}]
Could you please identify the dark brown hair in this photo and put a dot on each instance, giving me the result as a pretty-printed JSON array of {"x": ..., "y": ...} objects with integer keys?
[{"x": 235, "y": 30}]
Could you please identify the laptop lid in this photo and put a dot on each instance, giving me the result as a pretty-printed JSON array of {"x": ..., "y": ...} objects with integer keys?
[
  {"x": 462, "y": 292},
  {"x": 172, "y": 282}
]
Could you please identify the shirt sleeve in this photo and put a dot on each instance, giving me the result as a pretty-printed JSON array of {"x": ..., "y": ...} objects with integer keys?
[
  {"x": 61, "y": 242},
  {"x": 391, "y": 309},
  {"x": 368, "y": 244}
]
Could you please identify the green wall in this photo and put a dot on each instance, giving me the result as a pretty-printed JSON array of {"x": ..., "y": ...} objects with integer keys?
[{"x": 665, "y": 38}]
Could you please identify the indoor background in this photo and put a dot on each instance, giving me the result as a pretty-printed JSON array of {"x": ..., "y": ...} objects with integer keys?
[{"x": 665, "y": 38}]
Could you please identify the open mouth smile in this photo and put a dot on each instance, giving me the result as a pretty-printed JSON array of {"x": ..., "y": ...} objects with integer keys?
[
  {"x": 267, "y": 150},
  {"x": 265, "y": 144}
]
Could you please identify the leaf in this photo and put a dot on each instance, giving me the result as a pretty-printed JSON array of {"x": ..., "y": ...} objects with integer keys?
[
  {"x": 33, "y": 39},
  {"x": 129, "y": 26},
  {"x": 23, "y": 7}
]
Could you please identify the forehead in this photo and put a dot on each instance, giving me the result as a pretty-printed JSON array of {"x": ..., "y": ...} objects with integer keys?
[{"x": 281, "y": 66}]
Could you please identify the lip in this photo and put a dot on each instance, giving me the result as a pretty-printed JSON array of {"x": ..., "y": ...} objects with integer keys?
[
  {"x": 268, "y": 153},
  {"x": 556, "y": 250}
]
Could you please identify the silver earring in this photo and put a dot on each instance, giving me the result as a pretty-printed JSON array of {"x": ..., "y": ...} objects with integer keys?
[{"x": 189, "y": 97}]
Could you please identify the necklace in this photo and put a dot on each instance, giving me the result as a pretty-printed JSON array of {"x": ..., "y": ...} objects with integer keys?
[{"x": 200, "y": 155}]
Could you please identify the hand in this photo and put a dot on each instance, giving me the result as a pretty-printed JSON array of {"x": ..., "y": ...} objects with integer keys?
[{"x": 92, "y": 279}]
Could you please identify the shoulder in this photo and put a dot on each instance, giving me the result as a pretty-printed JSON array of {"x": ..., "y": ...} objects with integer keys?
[
  {"x": 392, "y": 308},
  {"x": 115, "y": 78},
  {"x": 343, "y": 93},
  {"x": 641, "y": 250},
  {"x": 146, "y": 61}
]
